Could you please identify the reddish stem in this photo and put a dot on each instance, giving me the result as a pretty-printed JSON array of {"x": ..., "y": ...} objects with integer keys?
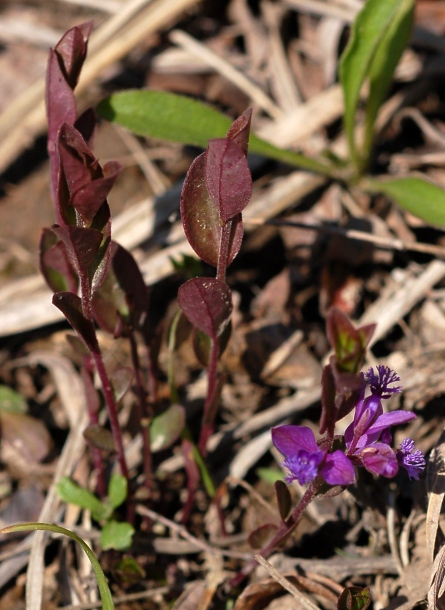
[
  {"x": 284, "y": 530},
  {"x": 212, "y": 385}
]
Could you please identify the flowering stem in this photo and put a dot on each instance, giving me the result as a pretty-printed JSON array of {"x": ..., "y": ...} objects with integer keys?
[{"x": 286, "y": 528}]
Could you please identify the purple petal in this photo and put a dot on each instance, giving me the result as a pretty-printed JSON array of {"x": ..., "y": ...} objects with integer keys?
[
  {"x": 386, "y": 420},
  {"x": 303, "y": 466},
  {"x": 380, "y": 459},
  {"x": 381, "y": 381},
  {"x": 413, "y": 461},
  {"x": 290, "y": 439},
  {"x": 337, "y": 469}
]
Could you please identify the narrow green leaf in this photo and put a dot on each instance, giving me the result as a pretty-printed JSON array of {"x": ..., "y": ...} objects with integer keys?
[
  {"x": 72, "y": 493},
  {"x": 368, "y": 32},
  {"x": 166, "y": 428},
  {"x": 104, "y": 591},
  {"x": 416, "y": 195},
  {"x": 117, "y": 490},
  {"x": 168, "y": 116},
  {"x": 383, "y": 65},
  {"x": 116, "y": 535}
]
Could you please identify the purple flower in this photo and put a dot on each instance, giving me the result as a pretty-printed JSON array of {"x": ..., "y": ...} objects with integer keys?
[
  {"x": 367, "y": 438},
  {"x": 305, "y": 459},
  {"x": 409, "y": 458}
]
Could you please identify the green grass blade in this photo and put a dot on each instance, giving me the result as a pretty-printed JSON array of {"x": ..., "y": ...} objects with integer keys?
[
  {"x": 168, "y": 116},
  {"x": 384, "y": 63},
  {"x": 104, "y": 591},
  {"x": 416, "y": 195},
  {"x": 368, "y": 31}
]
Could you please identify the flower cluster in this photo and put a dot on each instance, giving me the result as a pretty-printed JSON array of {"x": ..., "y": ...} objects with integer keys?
[{"x": 366, "y": 441}]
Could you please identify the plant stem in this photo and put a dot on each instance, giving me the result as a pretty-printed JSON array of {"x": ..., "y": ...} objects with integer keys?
[
  {"x": 212, "y": 385},
  {"x": 284, "y": 530},
  {"x": 146, "y": 413},
  {"x": 224, "y": 248},
  {"x": 112, "y": 412}
]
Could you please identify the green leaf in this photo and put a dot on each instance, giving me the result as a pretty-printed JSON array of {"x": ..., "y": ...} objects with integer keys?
[
  {"x": 117, "y": 536},
  {"x": 117, "y": 490},
  {"x": 72, "y": 493},
  {"x": 270, "y": 475},
  {"x": 11, "y": 401},
  {"x": 104, "y": 591},
  {"x": 166, "y": 428},
  {"x": 416, "y": 195},
  {"x": 374, "y": 34},
  {"x": 384, "y": 63},
  {"x": 168, "y": 116}
]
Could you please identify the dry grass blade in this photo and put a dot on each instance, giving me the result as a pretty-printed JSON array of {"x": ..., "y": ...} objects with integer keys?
[
  {"x": 436, "y": 489},
  {"x": 302, "y": 599},
  {"x": 222, "y": 66},
  {"x": 437, "y": 587},
  {"x": 25, "y": 118},
  {"x": 397, "y": 301}
]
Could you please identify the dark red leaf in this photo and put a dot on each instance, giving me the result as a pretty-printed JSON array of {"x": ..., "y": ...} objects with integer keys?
[
  {"x": 122, "y": 299},
  {"x": 72, "y": 50},
  {"x": 89, "y": 198},
  {"x": 262, "y": 535},
  {"x": 55, "y": 265},
  {"x": 86, "y": 125},
  {"x": 207, "y": 303},
  {"x": 284, "y": 500},
  {"x": 227, "y": 177},
  {"x": 82, "y": 246},
  {"x": 240, "y": 130},
  {"x": 201, "y": 219},
  {"x": 71, "y": 307},
  {"x": 60, "y": 102}
]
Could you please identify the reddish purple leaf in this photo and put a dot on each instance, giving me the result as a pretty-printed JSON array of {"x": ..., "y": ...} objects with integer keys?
[
  {"x": 89, "y": 198},
  {"x": 122, "y": 299},
  {"x": 86, "y": 125},
  {"x": 72, "y": 50},
  {"x": 262, "y": 535},
  {"x": 60, "y": 102},
  {"x": 240, "y": 130},
  {"x": 201, "y": 219},
  {"x": 227, "y": 177},
  {"x": 284, "y": 500},
  {"x": 82, "y": 245},
  {"x": 87, "y": 184},
  {"x": 71, "y": 307},
  {"x": 55, "y": 265},
  {"x": 64, "y": 65},
  {"x": 207, "y": 303}
]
